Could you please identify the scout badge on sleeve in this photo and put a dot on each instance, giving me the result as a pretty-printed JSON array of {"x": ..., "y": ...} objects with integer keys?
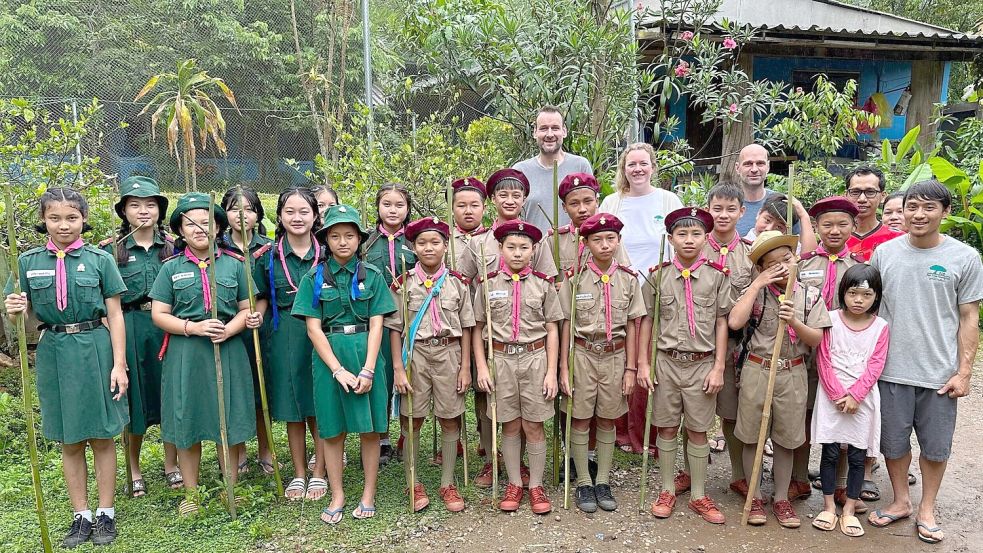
[
  {"x": 656, "y": 323},
  {"x": 572, "y": 366},
  {"x": 25, "y": 377},
  {"x": 491, "y": 369}
]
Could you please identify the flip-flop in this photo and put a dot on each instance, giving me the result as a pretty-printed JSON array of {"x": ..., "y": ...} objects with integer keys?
[
  {"x": 311, "y": 462},
  {"x": 187, "y": 507},
  {"x": 870, "y": 491},
  {"x": 339, "y": 512},
  {"x": 818, "y": 484},
  {"x": 266, "y": 466},
  {"x": 851, "y": 523},
  {"x": 296, "y": 485},
  {"x": 919, "y": 526},
  {"x": 174, "y": 479},
  {"x": 872, "y": 518},
  {"x": 363, "y": 510},
  {"x": 243, "y": 467},
  {"x": 825, "y": 521},
  {"x": 316, "y": 484},
  {"x": 718, "y": 445}
]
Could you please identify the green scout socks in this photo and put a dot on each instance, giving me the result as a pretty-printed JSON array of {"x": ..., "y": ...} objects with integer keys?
[
  {"x": 448, "y": 448},
  {"x": 667, "y": 462},
  {"x": 605, "y": 454},
  {"x": 735, "y": 448},
  {"x": 699, "y": 458},
  {"x": 800, "y": 463},
  {"x": 578, "y": 450}
]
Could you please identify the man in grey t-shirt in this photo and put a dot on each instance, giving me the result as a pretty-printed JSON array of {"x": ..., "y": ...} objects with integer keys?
[
  {"x": 549, "y": 131},
  {"x": 932, "y": 290}
]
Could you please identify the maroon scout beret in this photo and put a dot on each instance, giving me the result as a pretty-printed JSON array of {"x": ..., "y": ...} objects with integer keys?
[
  {"x": 518, "y": 226},
  {"x": 600, "y": 222},
  {"x": 418, "y": 227},
  {"x": 574, "y": 181},
  {"x": 469, "y": 183},
  {"x": 831, "y": 204},
  {"x": 503, "y": 175},
  {"x": 700, "y": 215}
]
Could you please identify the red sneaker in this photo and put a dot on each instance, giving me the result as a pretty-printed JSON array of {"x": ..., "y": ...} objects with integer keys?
[
  {"x": 452, "y": 499},
  {"x": 513, "y": 496},
  {"x": 524, "y": 474},
  {"x": 786, "y": 514},
  {"x": 438, "y": 459},
  {"x": 662, "y": 508},
  {"x": 798, "y": 490},
  {"x": 420, "y": 498},
  {"x": 682, "y": 482},
  {"x": 481, "y": 451},
  {"x": 484, "y": 477},
  {"x": 706, "y": 508},
  {"x": 740, "y": 487},
  {"x": 757, "y": 516},
  {"x": 539, "y": 502}
]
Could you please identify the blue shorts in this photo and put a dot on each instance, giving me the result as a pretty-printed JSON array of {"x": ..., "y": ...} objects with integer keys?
[{"x": 932, "y": 416}]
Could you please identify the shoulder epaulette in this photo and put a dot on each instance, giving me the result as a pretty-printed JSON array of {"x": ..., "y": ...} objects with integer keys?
[
  {"x": 397, "y": 282},
  {"x": 628, "y": 270},
  {"x": 564, "y": 230},
  {"x": 807, "y": 255},
  {"x": 488, "y": 276},
  {"x": 261, "y": 250},
  {"x": 857, "y": 257},
  {"x": 33, "y": 251},
  {"x": 459, "y": 276},
  {"x": 543, "y": 276},
  {"x": 107, "y": 242},
  {"x": 96, "y": 250},
  {"x": 716, "y": 265},
  {"x": 233, "y": 254},
  {"x": 479, "y": 232},
  {"x": 747, "y": 242},
  {"x": 175, "y": 256},
  {"x": 656, "y": 267}
]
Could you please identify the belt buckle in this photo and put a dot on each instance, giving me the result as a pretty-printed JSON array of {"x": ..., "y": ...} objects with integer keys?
[
  {"x": 597, "y": 347},
  {"x": 782, "y": 365},
  {"x": 687, "y": 356},
  {"x": 73, "y": 328},
  {"x": 511, "y": 349},
  {"x": 435, "y": 341},
  {"x": 348, "y": 329}
]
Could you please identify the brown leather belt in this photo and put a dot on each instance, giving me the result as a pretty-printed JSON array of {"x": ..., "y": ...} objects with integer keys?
[
  {"x": 511, "y": 348},
  {"x": 783, "y": 364},
  {"x": 687, "y": 355},
  {"x": 600, "y": 347},
  {"x": 438, "y": 342}
]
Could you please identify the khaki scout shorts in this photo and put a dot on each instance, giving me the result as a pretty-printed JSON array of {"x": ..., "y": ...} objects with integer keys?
[
  {"x": 727, "y": 396},
  {"x": 680, "y": 390},
  {"x": 788, "y": 409},
  {"x": 598, "y": 383},
  {"x": 434, "y": 377},
  {"x": 519, "y": 387}
]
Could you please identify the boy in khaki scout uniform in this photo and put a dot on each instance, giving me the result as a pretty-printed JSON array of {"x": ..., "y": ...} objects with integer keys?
[
  {"x": 525, "y": 310},
  {"x": 439, "y": 320},
  {"x": 696, "y": 296},
  {"x": 609, "y": 300},
  {"x": 823, "y": 268},
  {"x": 806, "y": 315},
  {"x": 579, "y": 193}
]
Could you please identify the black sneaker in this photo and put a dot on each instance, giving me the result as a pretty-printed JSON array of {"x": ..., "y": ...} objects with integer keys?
[
  {"x": 78, "y": 534},
  {"x": 385, "y": 454},
  {"x": 605, "y": 499},
  {"x": 592, "y": 469},
  {"x": 105, "y": 530},
  {"x": 586, "y": 501}
]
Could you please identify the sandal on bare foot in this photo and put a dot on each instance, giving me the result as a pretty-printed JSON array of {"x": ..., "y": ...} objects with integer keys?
[
  {"x": 296, "y": 489},
  {"x": 267, "y": 466},
  {"x": 316, "y": 488},
  {"x": 243, "y": 467},
  {"x": 825, "y": 521},
  {"x": 850, "y": 526},
  {"x": 138, "y": 488},
  {"x": 187, "y": 507},
  {"x": 174, "y": 479},
  {"x": 332, "y": 516},
  {"x": 928, "y": 537},
  {"x": 363, "y": 512}
]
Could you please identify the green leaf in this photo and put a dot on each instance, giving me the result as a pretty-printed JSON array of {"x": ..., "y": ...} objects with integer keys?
[
  {"x": 887, "y": 155},
  {"x": 918, "y": 174},
  {"x": 909, "y": 140}
]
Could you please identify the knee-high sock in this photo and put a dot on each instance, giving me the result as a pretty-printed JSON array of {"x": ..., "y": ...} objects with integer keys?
[
  {"x": 699, "y": 458},
  {"x": 735, "y": 448},
  {"x": 782, "y": 468},
  {"x": 682, "y": 430},
  {"x": 510, "y": 454},
  {"x": 667, "y": 462},
  {"x": 415, "y": 459},
  {"x": 578, "y": 450},
  {"x": 748, "y": 462},
  {"x": 800, "y": 463},
  {"x": 605, "y": 453},
  {"x": 448, "y": 448},
  {"x": 537, "y": 462}
]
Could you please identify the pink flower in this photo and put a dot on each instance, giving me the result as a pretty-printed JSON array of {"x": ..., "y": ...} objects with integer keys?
[
  {"x": 733, "y": 108},
  {"x": 640, "y": 7},
  {"x": 730, "y": 43},
  {"x": 682, "y": 69},
  {"x": 687, "y": 35}
]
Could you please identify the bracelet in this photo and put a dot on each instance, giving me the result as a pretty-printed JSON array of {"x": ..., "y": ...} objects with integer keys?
[
  {"x": 186, "y": 335},
  {"x": 334, "y": 374},
  {"x": 366, "y": 374}
]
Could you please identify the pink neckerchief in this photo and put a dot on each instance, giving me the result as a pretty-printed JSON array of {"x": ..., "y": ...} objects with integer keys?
[
  {"x": 203, "y": 268},
  {"x": 780, "y": 296},
  {"x": 688, "y": 284},
  {"x": 61, "y": 275},
  {"x": 428, "y": 282},
  {"x": 829, "y": 286},
  {"x": 606, "y": 287},
  {"x": 516, "y": 293},
  {"x": 724, "y": 249},
  {"x": 468, "y": 233},
  {"x": 283, "y": 260},
  {"x": 392, "y": 244}
]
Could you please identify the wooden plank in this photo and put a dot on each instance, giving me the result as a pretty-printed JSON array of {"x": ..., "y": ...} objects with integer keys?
[{"x": 926, "y": 90}]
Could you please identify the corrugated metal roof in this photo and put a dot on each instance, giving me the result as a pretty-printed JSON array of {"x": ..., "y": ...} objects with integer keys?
[{"x": 827, "y": 16}]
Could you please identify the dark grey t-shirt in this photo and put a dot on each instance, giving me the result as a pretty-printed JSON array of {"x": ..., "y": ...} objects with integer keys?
[
  {"x": 923, "y": 289},
  {"x": 541, "y": 187}
]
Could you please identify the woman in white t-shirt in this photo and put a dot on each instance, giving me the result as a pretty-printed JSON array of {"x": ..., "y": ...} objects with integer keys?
[{"x": 641, "y": 206}]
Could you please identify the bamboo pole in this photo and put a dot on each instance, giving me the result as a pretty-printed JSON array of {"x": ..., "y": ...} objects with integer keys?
[
  {"x": 26, "y": 381},
  {"x": 452, "y": 225},
  {"x": 556, "y": 263},
  {"x": 491, "y": 368},
  {"x": 411, "y": 423},
  {"x": 264, "y": 402},
  {"x": 571, "y": 366},
  {"x": 216, "y": 349},
  {"x": 656, "y": 324}
]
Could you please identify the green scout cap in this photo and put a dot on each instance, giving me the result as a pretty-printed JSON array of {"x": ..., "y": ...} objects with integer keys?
[
  {"x": 195, "y": 200},
  {"x": 141, "y": 187},
  {"x": 338, "y": 214}
]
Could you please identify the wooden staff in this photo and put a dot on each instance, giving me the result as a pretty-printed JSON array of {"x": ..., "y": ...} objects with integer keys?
[
  {"x": 411, "y": 426},
  {"x": 25, "y": 375},
  {"x": 264, "y": 403},
  {"x": 776, "y": 352},
  {"x": 556, "y": 263},
  {"x": 571, "y": 366},
  {"x": 490, "y": 354},
  {"x": 656, "y": 324},
  {"x": 453, "y": 264},
  {"x": 216, "y": 349}
]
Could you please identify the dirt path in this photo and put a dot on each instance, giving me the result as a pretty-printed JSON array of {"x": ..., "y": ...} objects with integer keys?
[{"x": 959, "y": 512}]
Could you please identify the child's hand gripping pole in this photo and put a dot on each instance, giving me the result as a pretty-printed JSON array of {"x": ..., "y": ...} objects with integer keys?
[
  {"x": 571, "y": 368},
  {"x": 656, "y": 323},
  {"x": 491, "y": 371}
]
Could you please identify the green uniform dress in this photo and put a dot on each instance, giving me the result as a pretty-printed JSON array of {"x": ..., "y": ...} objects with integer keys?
[
  {"x": 143, "y": 339},
  {"x": 189, "y": 406},
  {"x": 258, "y": 246},
  {"x": 339, "y": 411},
  {"x": 377, "y": 254},
  {"x": 73, "y": 370},
  {"x": 287, "y": 349}
]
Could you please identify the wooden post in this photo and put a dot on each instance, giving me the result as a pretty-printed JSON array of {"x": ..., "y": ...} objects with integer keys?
[
  {"x": 737, "y": 135},
  {"x": 656, "y": 323},
  {"x": 451, "y": 225},
  {"x": 926, "y": 91},
  {"x": 490, "y": 354}
]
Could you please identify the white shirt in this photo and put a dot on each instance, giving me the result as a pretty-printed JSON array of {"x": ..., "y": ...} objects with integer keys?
[{"x": 644, "y": 219}]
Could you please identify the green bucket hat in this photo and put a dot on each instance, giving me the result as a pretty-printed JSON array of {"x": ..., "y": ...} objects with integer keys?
[
  {"x": 141, "y": 187},
  {"x": 195, "y": 200},
  {"x": 338, "y": 214}
]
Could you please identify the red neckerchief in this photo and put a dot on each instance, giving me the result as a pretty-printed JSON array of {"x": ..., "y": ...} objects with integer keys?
[
  {"x": 392, "y": 244},
  {"x": 283, "y": 260},
  {"x": 780, "y": 296}
]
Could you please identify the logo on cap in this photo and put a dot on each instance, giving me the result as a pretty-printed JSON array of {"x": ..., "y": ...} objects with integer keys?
[
  {"x": 692, "y": 212},
  {"x": 342, "y": 209},
  {"x": 522, "y": 227},
  {"x": 603, "y": 221},
  {"x": 576, "y": 181},
  {"x": 436, "y": 220},
  {"x": 136, "y": 185}
]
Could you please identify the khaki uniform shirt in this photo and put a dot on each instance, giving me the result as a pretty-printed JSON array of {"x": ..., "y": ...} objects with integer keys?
[
  {"x": 809, "y": 308},
  {"x": 540, "y": 305},
  {"x": 626, "y": 303},
  {"x": 542, "y": 259},
  {"x": 453, "y": 302},
  {"x": 713, "y": 296},
  {"x": 812, "y": 271},
  {"x": 571, "y": 248},
  {"x": 461, "y": 241},
  {"x": 738, "y": 264}
]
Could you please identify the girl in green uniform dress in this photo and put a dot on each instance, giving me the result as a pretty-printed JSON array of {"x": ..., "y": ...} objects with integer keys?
[
  {"x": 81, "y": 364},
  {"x": 387, "y": 249},
  {"x": 259, "y": 244},
  {"x": 287, "y": 350},
  {"x": 344, "y": 301},
  {"x": 182, "y": 296},
  {"x": 139, "y": 257}
]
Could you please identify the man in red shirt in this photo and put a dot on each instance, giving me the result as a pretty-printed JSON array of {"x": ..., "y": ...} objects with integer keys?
[{"x": 865, "y": 188}]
